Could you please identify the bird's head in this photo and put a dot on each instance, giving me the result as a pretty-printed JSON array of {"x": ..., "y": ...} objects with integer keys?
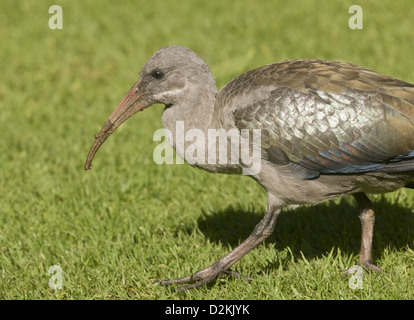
[{"x": 164, "y": 79}]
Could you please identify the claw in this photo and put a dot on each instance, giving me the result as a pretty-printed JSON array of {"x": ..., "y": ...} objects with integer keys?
[
  {"x": 368, "y": 266},
  {"x": 197, "y": 280}
]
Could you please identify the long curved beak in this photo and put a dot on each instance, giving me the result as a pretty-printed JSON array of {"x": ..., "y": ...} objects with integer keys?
[{"x": 131, "y": 104}]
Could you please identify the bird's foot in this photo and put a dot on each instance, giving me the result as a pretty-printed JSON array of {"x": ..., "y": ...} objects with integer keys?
[
  {"x": 201, "y": 277},
  {"x": 366, "y": 266}
]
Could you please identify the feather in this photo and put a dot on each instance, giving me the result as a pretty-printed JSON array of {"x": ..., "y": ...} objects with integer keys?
[{"x": 326, "y": 117}]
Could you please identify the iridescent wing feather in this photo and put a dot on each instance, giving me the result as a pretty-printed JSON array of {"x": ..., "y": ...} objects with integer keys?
[{"x": 322, "y": 117}]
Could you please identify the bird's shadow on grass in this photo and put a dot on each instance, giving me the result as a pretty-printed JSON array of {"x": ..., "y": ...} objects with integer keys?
[{"x": 315, "y": 230}]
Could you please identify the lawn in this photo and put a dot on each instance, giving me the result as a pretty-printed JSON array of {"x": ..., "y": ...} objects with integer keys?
[{"x": 115, "y": 229}]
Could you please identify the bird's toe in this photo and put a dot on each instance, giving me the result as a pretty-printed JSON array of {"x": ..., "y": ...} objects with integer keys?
[
  {"x": 367, "y": 266},
  {"x": 236, "y": 275},
  {"x": 200, "y": 278}
]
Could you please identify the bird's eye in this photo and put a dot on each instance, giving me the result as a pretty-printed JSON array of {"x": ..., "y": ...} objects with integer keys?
[{"x": 157, "y": 74}]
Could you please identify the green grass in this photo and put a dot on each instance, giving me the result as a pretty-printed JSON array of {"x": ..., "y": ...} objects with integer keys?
[{"x": 127, "y": 222}]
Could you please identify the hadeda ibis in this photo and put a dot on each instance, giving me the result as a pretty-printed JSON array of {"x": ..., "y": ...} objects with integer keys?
[{"x": 328, "y": 129}]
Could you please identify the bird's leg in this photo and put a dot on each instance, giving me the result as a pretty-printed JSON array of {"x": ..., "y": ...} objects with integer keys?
[
  {"x": 367, "y": 218},
  {"x": 261, "y": 231}
]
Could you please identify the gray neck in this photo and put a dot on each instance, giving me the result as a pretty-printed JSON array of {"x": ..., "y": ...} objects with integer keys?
[
  {"x": 192, "y": 113},
  {"x": 194, "y": 108},
  {"x": 189, "y": 121}
]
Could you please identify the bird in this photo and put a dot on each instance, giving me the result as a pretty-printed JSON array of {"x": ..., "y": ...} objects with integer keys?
[{"x": 327, "y": 129}]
